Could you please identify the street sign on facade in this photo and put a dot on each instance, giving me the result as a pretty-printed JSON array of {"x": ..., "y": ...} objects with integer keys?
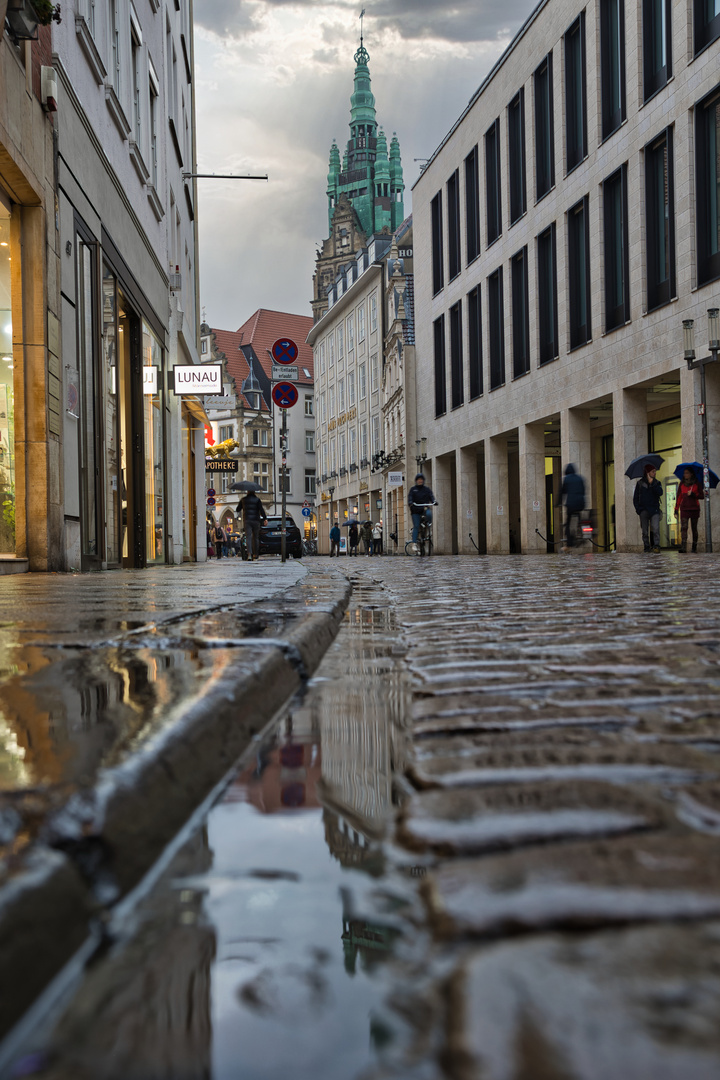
[
  {"x": 285, "y": 395},
  {"x": 284, "y": 351},
  {"x": 210, "y": 493},
  {"x": 283, "y": 374},
  {"x": 306, "y": 512},
  {"x": 220, "y": 465},
  {"x": 395, "y": 479},
  {"x": 211, "y": 502},
  {"x": 197, "y": 379}
]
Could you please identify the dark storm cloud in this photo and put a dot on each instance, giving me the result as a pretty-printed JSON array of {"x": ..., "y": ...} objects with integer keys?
[{"x": 461, "y": 21}]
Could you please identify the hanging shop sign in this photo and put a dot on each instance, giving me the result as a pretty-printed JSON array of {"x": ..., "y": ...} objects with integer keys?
[
  {"x": 220, "y": 465},
  {"x": 150, "y": 380},
  {"x": 395, "y": 479},
  {"x": 197, "y": 379}
]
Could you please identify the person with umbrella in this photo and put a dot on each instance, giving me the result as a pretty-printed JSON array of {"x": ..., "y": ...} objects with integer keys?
[
  {"x": 253, "y": 514},
  {"x": 353, "y": 538},
  {"x": 687, "y": 506},
  {"x": 367, "y": 536},
  {"x": 646, "y": 500}
]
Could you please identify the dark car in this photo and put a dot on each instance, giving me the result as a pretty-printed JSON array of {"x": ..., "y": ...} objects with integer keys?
[{"x": 270, "y": 538}]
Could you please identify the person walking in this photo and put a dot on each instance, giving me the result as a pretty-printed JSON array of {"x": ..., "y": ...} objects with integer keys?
[
  {"x": 420, "y": 499},
  {"x": 335, "y": 541},
  {"x": 646, "y": 500},
  {"x": 353, "y": 539},
  {"x": 687, "y": 505},
  {"x": 572, "y": 493},
  {"x": 253, "y": 513},
  {"x": 218, "y": 537},
  {"x": 366, "y": 535},
  {"x": 377, "y": 538}
]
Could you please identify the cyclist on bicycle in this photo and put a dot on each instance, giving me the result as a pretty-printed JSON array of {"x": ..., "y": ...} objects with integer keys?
[{"x": 420, "y": 499}]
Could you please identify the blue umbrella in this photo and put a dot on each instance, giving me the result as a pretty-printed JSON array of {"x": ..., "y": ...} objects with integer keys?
[
  {"x": 636, "y": 468},
  {"x": 697, "y": 468}
]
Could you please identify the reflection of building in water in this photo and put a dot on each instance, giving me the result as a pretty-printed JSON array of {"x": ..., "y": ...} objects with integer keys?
[
  {"x": 286, "y": 770},
  {"x": 365, "y": 939}
]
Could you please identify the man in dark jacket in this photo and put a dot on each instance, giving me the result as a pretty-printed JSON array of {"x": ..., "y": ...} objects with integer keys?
[
  {"x": 253, "y": 517},
  {"x": 420, "y": 495},
  {"x": 572, "y": 494},
  {"x": 646, "y": 500}
]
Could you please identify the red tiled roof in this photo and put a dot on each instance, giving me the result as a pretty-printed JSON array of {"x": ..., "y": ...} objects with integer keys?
[{"x": 265, "y": 327}]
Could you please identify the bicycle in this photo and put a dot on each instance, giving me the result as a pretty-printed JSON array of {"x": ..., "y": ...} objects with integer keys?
[
  {"x": 424, "y": 544},
  {"x": 309, "y": 547}
]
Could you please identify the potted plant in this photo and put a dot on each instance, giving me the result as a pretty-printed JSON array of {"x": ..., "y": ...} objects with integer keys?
[{"x": 24, "y": 16}]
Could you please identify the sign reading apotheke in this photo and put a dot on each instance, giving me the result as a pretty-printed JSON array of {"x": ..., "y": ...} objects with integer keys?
[{"x": 194, "y": 379}]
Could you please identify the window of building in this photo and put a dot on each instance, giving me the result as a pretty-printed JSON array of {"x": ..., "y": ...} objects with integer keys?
[
  {"x": 137, "y": 81},
  {"x": 373, "y": 314},
  {"x": 707, "y": 23},
  {"x": 612, "y": 64},
  {"x": 252, "y": 399},
  {"x": 341, "y": 396},
  {"x": 331, "y": 401},
  {"x": 579, "y": 273},
  {"x": 154, "y": 90},
  {"x": 544, "y": 128},
  {"x": 660, "y": 220},
  {"x": 575, "y": 94},
  {"x": 115, "y": 45},
  {"x": 227, "y": 431},
  {"x": 707, "y": 180},
  {"x": 204, "y": 345},
  {"x": 457, "y": 390},
  {"x": 333, "y": 456},
  {"x": 353, "y": 446},
  {"x": 331, "y": 349},
  {"x": 520, "y": 313},
  {"x": 340, "y": 342},
  {"x": 496, "y": 317},
  {"x": 657, "y": 45},
  {"x": 224, "y": 484},
  {"x": 260, "y": 438},
  {"x": 439, "y": 356},
  {"x": 516, "y": 152},
  {"x": 351, "y": 389},
  {"x": 350, "y": 324},
  {"x": 309, "y": 407},
  {"x": 362, "y": 382},
  {"x": 374, "y": 374},
  {"x": 322, "y": 357},
  {"x": 492, "y": 182},
  {"x": 361, "y": 322},
  {"x": 261, "y": 475},
  {"x": 475, "y": 342},
  {"x": 309, "y": 442},
  {"x": 617, "y": 270},
  {"x": 323, "y": 407},
  {"x": 375, "y": 434},
  {"x": 363, "y": 442},
  {"x": 438, "y": 273},
  {"x": 547, "y": 295},
  {"x": 472, "y": 205},
  {"x": 343, "y": 452},
  {"x": 324, "y": 459},
  {"x": 309, "y": 482},
  {"x": 453, "y": 213},
  {"x": 287, "y": 482}
]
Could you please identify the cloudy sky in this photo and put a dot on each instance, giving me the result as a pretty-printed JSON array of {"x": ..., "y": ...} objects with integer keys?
[{"x": 274, "y": 79}]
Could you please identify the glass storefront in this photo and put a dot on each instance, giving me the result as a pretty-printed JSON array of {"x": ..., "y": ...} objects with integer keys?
[
  {"x": 154, "y": 443},
  {"x": 608, "y": 444},
  {"x": 7, "y": 398},
  {"x": 115, "y": 490},
  {"x": 666, "y": 440}
]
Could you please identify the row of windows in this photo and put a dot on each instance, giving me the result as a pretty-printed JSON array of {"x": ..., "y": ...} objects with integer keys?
[
  {"x": 342, "y": 393},
  {"x": 657, "y": 69},
  {"x": 309, "y": 488},
  {"x": 344, "y": 335},
  {"x": 342, "y": 452}
]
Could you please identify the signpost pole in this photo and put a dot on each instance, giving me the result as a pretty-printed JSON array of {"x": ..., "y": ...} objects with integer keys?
[{"x": 283, "y": 451}]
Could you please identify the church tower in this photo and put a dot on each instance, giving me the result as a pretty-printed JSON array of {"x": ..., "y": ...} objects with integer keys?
[{"x": 365, "y": 191}]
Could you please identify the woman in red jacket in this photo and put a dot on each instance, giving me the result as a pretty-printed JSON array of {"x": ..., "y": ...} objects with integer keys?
[{"x": 687, "y": 505}]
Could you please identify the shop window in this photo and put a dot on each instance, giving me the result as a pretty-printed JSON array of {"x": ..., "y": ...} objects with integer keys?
[
  {"x": 472, "y": 205},
  {"x": 665, "y": 438},
  {"x": 575, "y": 94},
  {"x": 7, "y": 396},
  {"x": 707, "y": 180},
  {"x": 439, "y": 361},
  {"x": 547, "y": 295},
  {"x": 516, "y": 151},
  {"x": 492, "y": 182},
  {"x": 544, "y": 128},
  {"x": 438, "y": 273},
  {"x": 520, "y": 313},
  {"x": 612, "y": 64},
  {"x": 475, "y": 342},
  {"x": 457, "y": 394},
  {"x": 453, "y": 213},
  {"x": 657, "y": 45},
  {"x": 579, "y": 273},
  {"x": 496, "y": 318},
  {"x": 154, "y": 452},
  {"x": 617, "y": 270},
  {"x": 660, "y": 220}
]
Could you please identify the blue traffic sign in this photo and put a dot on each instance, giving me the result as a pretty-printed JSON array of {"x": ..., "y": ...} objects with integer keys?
[
  {"x": 306, "y": 511},
  {"x": 285, "y": 395},
  {"x": 285, "y": 351}
]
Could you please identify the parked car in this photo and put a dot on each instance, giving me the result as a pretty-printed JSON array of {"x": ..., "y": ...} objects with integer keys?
[{"x": 270, "y": 535}]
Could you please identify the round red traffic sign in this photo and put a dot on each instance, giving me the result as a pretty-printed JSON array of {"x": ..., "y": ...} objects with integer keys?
[
  {"x": 285, "y": 351},
  {"x": 285, "y": 395},
  {"x": 211, "y": 502},
  {"x": 210, "y": 493}
]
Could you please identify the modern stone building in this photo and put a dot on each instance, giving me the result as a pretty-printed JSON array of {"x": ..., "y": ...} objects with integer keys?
[
  {"x": 564, "y": 229},
  {"x": 365, "y": 191}
]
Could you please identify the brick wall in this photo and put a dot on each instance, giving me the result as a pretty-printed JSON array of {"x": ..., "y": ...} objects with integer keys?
[{"x": 41, "y": 56}]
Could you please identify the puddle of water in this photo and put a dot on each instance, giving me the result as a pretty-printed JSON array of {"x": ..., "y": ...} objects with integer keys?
[{"x": 251, "y": 956}]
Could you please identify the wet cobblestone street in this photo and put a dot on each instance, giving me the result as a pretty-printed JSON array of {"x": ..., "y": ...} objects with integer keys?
[{"x": 481, "y": 844}]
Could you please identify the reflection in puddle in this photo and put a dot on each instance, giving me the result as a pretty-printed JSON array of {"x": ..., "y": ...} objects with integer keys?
[{"x": 253, "y": 957}]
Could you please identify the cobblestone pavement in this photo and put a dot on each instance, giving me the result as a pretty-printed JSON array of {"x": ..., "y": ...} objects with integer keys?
[{"x": 564, "y": 815}]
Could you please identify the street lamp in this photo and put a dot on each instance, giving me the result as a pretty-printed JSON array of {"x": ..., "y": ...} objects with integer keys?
[
  {"x": 421, "y": 457},
  {"x": 689, "y": 348}
]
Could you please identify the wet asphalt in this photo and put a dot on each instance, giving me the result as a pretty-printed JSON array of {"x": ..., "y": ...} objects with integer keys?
[{"x": 482, "y": 844}]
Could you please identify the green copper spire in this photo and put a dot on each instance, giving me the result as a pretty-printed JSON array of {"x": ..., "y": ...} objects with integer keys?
[
  {"x": 333, "y": 180},
  {"x": 362, "y": 102}
]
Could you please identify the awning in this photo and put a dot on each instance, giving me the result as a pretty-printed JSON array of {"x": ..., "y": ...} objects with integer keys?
[{"x": 197, "y": 408}]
